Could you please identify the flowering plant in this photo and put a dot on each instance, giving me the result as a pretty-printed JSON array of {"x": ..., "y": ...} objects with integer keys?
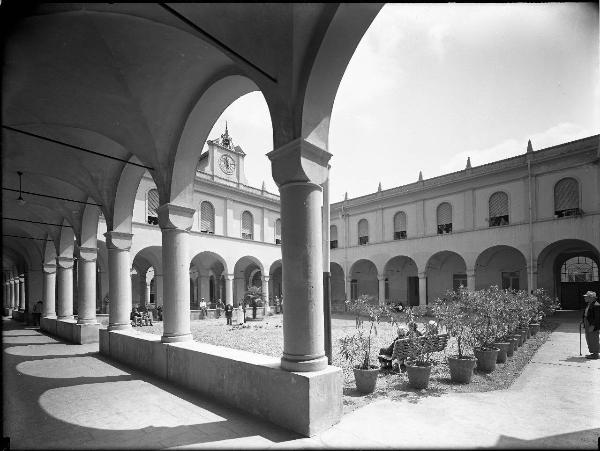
[{"x": 455, "y": 310}]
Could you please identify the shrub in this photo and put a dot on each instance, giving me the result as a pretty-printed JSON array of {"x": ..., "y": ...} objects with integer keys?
[{"x": 455, "y": 312}]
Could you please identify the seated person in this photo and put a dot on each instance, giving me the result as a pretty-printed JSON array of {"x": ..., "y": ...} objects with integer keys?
[
  {"x": 413, "y": 330},
  {"x": 385, "y": 354},
  {"x": 147, "y": 319},
  {"x": 135, "y": 317}
]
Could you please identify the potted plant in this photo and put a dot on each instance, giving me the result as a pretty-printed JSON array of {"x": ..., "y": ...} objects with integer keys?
[
  {"x": 544, "y": 306},
  {"x": 418, "y": 369},
  {"x": 485, "y": 328},
  {"x": 503, "y": 340},
  {"x": 454, "y": 312},
  {"x": 356, "y": 348}
]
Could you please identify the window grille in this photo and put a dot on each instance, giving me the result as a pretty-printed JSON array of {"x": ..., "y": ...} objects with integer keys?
[
  {"x": 400, "y": 226},
  {"x": 247, "y": 225},
  {"x": 207, "y": 218},
  {"x": 498, "y": 209},
  {"x": 153, "y": 206},
  {"x": 579, "y": 269},
  {"x": 363, "y": 232},
  {"x": 278, "y": 231},
  {"x": 444, "y": 218},
  {"x": 333, "y": 237},
  {"x": 566, "y": 197}
]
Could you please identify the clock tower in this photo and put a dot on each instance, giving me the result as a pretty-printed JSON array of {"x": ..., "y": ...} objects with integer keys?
[{"x": 223, "y": 159}]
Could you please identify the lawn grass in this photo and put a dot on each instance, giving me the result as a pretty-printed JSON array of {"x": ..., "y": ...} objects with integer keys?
[{"x": 266, "y": 337}]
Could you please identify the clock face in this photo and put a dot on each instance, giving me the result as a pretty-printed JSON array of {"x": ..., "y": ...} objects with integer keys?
[{"x": 227, "y": 164}]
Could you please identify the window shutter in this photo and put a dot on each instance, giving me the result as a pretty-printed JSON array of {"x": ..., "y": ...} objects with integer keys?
[
  {"x": 247, "y": 225},
  {"x": 363, "y": 228},
  {"x": 400, "y": 222},
  {"x": 207, "y": 217},
  {"x": 333, "y": 233},
  {"x": 444, "y": 213},
  {"x": 566, "y": 194},
  {"x": 498, "y": 204},
  {"x": 153, "y": 202},
  {"x": 278, "y": 229}
]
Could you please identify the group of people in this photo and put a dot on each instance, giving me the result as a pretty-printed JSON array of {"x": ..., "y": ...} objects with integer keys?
[
  {"x": 140, "y": 318},
  {"x": 411, "y": 330}
]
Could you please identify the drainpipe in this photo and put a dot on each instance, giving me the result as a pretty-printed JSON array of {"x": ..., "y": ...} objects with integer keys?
[
  {"x": 327, "y": 268},
  {"x": 531, "y": 271}
]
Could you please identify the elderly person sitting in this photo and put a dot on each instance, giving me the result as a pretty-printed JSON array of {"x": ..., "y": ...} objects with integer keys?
[
  {"x": 591, "y": 323},
  {"x": 385, "y": 354}
]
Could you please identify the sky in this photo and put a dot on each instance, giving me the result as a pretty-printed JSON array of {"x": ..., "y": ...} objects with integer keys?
[{"x": 432, "y": 84}]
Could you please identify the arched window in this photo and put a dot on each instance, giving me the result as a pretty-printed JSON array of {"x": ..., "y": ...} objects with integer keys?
[
  {"x": 363, "y": 232},
  {"x": 498, "y": 209},
  {"x": 152, "y": 201},
  {"x": 444, "y": 218},
  {"x": 400, "y": 226},
  {"x": 247, "y": 225},
  {"x": 333, "y": 239},
  {"x": 207, "y": 218},
  {"x": 278, "y": 231},
  {"x": 566, "y": 197},
  {"x": 579, "y": 269}
]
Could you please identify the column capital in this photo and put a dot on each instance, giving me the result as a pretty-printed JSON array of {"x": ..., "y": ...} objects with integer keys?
[
  {"x": 381, "y": 277},
  {"x": 64, "y": 262},
  {"x": 422, "y": 275},
  {"x": 265, "y": 278},
  {"x": 49, "y": 269},
  {"x": 229, "y": 276},
  {"x": 88, "y": 254},
  {"x": 171, "y": 216},
  {"x": 299, "y": 161},
  {"x": 118, "y": 240},
  {"x": 470, "y": 272},
  {"x": 21, "y": 278}
]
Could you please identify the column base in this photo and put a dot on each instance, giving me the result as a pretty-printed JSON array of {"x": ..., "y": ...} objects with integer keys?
[
  {"x": 317, "y": 364},
  {"x": 50, "y": 317},
  {"x": 176, "y": 338},
  {"x": 119, "y": 326},
  {"x": 87, "y": 321},
  {"x": 66, "y": 317}
]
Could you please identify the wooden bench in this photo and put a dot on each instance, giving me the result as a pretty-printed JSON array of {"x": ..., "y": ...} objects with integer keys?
[{"x": 410, "y": 347}]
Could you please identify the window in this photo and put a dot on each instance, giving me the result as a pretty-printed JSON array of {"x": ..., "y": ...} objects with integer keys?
[
  {"x": 363, "y": 232},
  {"x": 153, "y": 291},
  {"x": 278, "y": 231},
  {"x": 566, "y": 198},
  {"x": 579, "y": 269},
  {"x": 444, "y": 218},
  {"x": 498, "y": 209},
  {"x": 207, "y": 218},
  {"x": 247, "y": 225},
  {"x": 510, "y": 280},
  {"x": 333, "y": 238},
  {"x": 459, "y": 280},
  {"x": 400, "y": 226},
  {"x": 354, "y": 289},
  {"x": 152, "y": 207}
]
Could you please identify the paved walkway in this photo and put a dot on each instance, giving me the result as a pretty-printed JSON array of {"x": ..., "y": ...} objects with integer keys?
[{"x": 63, "y": 396}]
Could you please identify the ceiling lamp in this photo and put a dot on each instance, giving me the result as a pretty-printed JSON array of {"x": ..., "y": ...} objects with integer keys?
[{"x": 20, "y": 199}]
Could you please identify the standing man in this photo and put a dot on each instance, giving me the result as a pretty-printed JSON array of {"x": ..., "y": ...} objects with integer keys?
[
  {"x": 229, "y": 313},
  {"x": 203, "y": 308},
  {"x": 591, "y": 324},
  {"x": 38, "y": 308}
]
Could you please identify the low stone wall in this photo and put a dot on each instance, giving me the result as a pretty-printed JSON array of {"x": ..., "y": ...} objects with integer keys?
[
  {"x": 18, "y": 315},
  {"x": 70, "y": 331},
  {"x": 306, "y": 403}
]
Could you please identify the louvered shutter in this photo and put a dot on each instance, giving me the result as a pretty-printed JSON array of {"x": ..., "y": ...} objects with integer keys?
[
  {"x": 444, "y": 214},
  {"x": 363, "y": 228},
  {"x": 498, "y": 204},
  {"x": 247, "y": 225},
  {"x": 333, "y": 233},
  {"x": 153, "y": 203},
  {"x": 400, "y": 222},
  {"x": 278, "y": 231},
  {"x": 207, "y": 217},
  {"x": 566, "y": 194}
]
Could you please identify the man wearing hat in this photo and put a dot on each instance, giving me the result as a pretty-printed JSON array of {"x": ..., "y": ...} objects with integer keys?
[{"x": 591, "y": 324}]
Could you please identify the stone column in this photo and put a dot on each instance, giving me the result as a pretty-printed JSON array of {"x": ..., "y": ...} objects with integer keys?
[
  {"x": 348, "y": 288},
  {"x": 65, "y": 287},
  {"x": 14, "y": 294},
  {"x": 6, "y": 303},
  {"x": 119, "y": 279},
  {"x": 158, "y": 285},
  {"x": 86, "y": 278},
  {"x": 299, "y": 169},
  {"x": 422, "y": 288},
  {"x": 265, "y": 292},
  {"x": 381, "y": 279},
  {"x": 175, "y": 222},
  {"x": 146, "y": 292},
  {"x": 532, "y": 279},
  {"x": 22, "y": 299},
  {"x": 229, "y": 289},
  {"x": 49, "y": 291},
  {"x": 471, "y": 279}
]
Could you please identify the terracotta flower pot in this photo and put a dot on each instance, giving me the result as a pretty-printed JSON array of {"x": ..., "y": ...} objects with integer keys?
[
  {"x": 517, "y": 338},
  {"x": 366, "y": 380},
  {"x": 511, "y": 349},
  {"x": 534, "y": 328},
  {"x": 461, "y": 370},
  {"x": 523, "y": 333},
  {"x": 486, "y": 359},
  {"x": 502, "y": 354},
  {"x": 418, "y": 375}
]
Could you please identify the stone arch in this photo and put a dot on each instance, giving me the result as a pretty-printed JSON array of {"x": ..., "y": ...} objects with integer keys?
[
  {"x": 209, "y": 106},
  {"x": 207, "y": 264},
  {"x": 363, "y": 280},
  {"x": 338, "y": 287},
  {"x": 501, "y": 265},
  {"x": 276, "y": 279},
  {"x": 122, "y": 213},
  {"x": 549, "y": 263},
  {"x": 402, "y": 280},
  {"x": 242, "y": 270},
  {"x": 445, "y": 270},
  {"x": 66, "y": 242},
  {"x": 89, "y": 226}
]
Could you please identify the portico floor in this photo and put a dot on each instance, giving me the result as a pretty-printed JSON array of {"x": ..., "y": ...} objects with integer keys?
[{"x": 63, "y": 396}]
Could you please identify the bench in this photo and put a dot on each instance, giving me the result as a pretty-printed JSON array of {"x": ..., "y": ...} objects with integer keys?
[{"x": 410, "y": 347}]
